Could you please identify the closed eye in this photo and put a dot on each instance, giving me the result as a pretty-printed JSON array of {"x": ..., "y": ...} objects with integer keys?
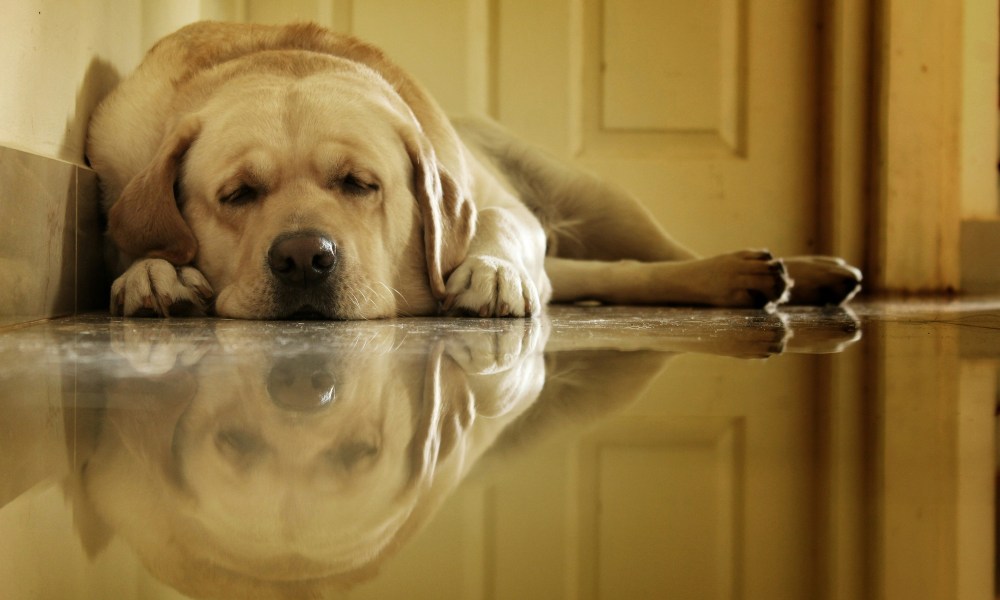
[
  {"x": 243, "y": 194},
  {"x": 356, "y": 185}
]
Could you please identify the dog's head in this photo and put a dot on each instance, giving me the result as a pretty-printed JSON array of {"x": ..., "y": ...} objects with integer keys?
[{"x": 300, "y": 185}]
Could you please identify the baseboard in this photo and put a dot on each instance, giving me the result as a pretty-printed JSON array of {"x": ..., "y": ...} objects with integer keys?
[{"x": 50, "y": 239}]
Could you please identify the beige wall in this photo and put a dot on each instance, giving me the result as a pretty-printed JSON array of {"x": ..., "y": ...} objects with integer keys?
[{"x": 57, "y": 60}]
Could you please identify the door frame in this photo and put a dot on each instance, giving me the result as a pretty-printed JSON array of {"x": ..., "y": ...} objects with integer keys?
[
  {"x": 908, "y": 137},
  {"x": 845, "y": 152}
]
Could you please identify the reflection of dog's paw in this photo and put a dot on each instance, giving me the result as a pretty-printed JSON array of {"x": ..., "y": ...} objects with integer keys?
[
  {"x": 487, "y": 286},
  {"x": 742, "y": 335},
  {"x": 826, "y": 330},
  {"x": 154, "y": 287},
  {"x": 822, "y": 280},
  {"x": 154, "y": 348},
  {"x": 483, "y": 352},
  {"x": 503, "y": 365}
]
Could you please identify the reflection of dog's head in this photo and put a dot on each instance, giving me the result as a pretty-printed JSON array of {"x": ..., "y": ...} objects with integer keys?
[
  {"x": 295, "y": 470},
  {"x": 306, "y": 186},
  {"x": 315, "y": 473}
]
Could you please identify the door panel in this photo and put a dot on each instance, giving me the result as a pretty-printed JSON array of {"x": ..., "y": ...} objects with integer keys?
[
  {"x": 715, "y": 132},
  {"x": 662, "y": 77}
]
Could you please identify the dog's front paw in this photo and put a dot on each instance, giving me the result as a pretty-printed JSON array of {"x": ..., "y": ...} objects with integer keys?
[
  {"x": 154, "y": 287},
  {"x": 487, "y": 286}
]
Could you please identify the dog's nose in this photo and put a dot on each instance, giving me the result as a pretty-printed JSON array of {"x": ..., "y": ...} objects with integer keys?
[{"x": 302, "y": 259}]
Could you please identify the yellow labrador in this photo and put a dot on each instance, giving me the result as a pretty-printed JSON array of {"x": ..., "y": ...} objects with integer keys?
[{"x": 274, "y": 172}]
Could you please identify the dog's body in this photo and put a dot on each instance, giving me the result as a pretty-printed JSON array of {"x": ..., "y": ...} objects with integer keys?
[{"x": 270, "y": 172}]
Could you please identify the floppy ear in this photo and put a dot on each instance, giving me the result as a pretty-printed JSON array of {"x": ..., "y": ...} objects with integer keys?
[
  {"x": 449, "y": 215},
  {"x": 145, "y": 222}
]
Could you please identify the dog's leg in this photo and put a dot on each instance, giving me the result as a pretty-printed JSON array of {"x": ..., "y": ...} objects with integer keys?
[
  {"x": 503, "y": 274},
  {"x": 750, "y": 278},
  {"x": 590, "y": 220}
]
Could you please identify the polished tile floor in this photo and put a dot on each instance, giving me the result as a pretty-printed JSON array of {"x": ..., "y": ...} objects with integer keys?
[{"x": 596, "y": 453}]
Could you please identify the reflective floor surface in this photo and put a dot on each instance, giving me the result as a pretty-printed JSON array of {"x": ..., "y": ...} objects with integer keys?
[{"x": 595, "y": 453}]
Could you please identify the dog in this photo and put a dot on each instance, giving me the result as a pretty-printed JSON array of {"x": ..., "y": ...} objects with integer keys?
[{"x": 273, "y": 172}]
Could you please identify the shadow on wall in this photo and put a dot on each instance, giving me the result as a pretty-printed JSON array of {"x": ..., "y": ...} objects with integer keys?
[
  {"x": 90, "y": 278},
  {"x": 101, "y": 77}
]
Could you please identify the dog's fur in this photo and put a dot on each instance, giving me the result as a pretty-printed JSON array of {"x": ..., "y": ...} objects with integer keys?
[{"x": 274, "y": 172}]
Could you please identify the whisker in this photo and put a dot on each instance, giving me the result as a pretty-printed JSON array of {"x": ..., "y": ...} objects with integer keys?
[{"x": 393, "y": 291}]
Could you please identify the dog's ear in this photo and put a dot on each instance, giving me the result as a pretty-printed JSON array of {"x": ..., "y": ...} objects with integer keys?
[
  {"x": 146, "y": 222},
  {"x": 449, "y": 216}
]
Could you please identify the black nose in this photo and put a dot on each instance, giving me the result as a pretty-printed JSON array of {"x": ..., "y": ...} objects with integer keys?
[{"x": 302, "y": 259}]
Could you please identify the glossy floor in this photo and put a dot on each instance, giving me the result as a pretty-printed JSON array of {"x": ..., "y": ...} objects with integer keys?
[{"x": 596, "y": 453}]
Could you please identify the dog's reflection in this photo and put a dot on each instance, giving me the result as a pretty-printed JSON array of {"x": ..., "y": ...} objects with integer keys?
[
  {"x": 258, "y": 461},
  {"x": 261, "y": 470}
]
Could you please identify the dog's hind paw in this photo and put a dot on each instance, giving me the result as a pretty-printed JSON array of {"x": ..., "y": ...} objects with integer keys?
[
  {"x": 743, "y": 279},
  {"x": 153, "y": 287},
  {"x": 822, "y": 280}
]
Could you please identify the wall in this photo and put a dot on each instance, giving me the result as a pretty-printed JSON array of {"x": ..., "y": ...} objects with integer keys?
[
  {"x": 980, "y": 233},
  {"x": 57, "y": 60}
]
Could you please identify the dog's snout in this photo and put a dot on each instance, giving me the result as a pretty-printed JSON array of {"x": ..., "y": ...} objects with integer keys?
[{"x": 302, "y": 259}]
